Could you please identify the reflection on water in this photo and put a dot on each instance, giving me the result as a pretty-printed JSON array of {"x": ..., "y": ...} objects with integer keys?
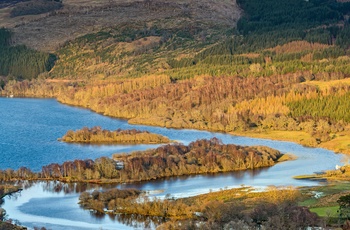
[
  {"x": 185, "y": 186},
  {"x": 77, "y": 187},
  {"x": 138, "y": 221},
  {"x": 67, "y": 188},
  {"x": 55, "y": 205}
]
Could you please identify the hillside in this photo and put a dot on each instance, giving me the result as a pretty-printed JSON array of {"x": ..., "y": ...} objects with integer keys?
[
  {"x": 50, "y": 30},
  {"x": 265, "y": 68}
]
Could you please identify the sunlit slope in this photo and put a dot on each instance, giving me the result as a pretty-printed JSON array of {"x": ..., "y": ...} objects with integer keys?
[{"x": 50, "y": 30}]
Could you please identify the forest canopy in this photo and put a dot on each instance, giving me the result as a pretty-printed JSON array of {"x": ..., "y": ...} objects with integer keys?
[{"x": 20, "y": 62}]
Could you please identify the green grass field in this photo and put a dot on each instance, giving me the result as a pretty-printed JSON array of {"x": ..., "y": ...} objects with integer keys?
[{"x": 326, "y": 211}]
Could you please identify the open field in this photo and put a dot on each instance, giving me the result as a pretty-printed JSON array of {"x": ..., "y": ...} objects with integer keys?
[
  {"x": 326, "y": 211},
  {"x": 323, "y": 200}
]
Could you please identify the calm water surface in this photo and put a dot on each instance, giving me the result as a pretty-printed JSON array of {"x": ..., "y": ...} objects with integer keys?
[{"x": 28, "y": 137}]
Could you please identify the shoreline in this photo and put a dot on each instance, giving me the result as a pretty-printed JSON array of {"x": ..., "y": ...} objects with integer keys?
[
  {"x": 341, "y": 173},
  {"x": 298, "y": 137},
  {"x": 277, "y": 135},
  {"x": 9, "y": 193}
]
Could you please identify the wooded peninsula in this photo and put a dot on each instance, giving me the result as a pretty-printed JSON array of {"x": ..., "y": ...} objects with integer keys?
[{"x": 201, "y": 156}]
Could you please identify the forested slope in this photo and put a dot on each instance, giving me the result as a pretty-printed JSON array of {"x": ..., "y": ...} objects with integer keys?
[
  {"x": 20, "y": 62},
  {"x": 284, "y": 67}
]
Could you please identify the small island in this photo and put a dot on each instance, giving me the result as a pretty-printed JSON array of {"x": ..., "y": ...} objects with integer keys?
[{"x": 97, "y": 135}]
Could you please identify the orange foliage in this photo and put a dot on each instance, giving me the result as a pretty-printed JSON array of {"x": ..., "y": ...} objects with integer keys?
[{"x": 298, "y": 46}]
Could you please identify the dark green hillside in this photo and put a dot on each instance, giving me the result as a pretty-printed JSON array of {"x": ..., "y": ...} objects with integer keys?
[
  {"x": 269, "y": 15},
  {"x": 20, "y": 62},
  {"x": 266, "y": 24},
  {"x": 331, "y": 107}
]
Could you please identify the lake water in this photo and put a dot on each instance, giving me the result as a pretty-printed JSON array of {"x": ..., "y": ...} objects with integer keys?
[{"x": 28, "y": 137}]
